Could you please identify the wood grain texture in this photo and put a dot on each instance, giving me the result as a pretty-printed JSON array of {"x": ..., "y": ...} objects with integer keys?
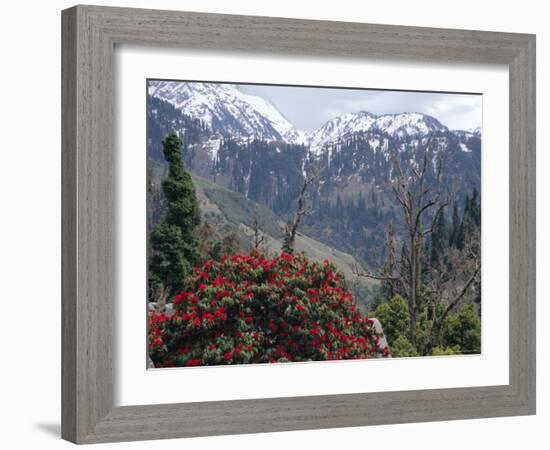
[
  {"x": 89, "y": 36},
  {"x": 68, "y": 226}
]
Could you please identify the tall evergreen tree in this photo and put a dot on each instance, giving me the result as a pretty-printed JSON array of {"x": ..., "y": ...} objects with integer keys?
[
  {"x": 174, "y": 245},
  {"x": 475, "y": 209},
  {"x": 439, "y": 239},
  {"x": 455, "y": 226}
]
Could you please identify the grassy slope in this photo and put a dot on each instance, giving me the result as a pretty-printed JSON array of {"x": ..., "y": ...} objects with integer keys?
[
  {"x": 221, "y": 204},
  {"x": 232, "y": 210}
]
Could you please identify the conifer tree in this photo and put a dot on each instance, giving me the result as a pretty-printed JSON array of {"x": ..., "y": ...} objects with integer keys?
[
  {"x": 455, "y": 226},
  {"x": 439, "y": 239},
  {"x": 475, "y": 209},
  {"x": 174, "y": 245}
]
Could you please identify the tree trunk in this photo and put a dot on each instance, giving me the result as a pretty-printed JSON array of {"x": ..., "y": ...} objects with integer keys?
[
  {"x": 413, "y": 291},
  {"x": 161, "y": 296}
]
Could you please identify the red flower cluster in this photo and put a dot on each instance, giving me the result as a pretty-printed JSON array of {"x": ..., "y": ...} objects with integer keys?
[{"x": 249, "y": 309}]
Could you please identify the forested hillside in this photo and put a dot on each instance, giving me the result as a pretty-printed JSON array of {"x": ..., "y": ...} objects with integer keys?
[{"x": 393, "y": 201}]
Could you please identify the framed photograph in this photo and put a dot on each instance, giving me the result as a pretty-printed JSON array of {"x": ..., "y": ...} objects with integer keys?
[{"x": 277, "y": 224}]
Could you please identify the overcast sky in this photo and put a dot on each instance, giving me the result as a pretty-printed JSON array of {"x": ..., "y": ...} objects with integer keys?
[{"x": 308, "y": 108}]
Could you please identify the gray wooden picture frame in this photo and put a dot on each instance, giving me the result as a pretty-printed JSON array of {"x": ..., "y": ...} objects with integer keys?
[{"x": 90, "y": 34}]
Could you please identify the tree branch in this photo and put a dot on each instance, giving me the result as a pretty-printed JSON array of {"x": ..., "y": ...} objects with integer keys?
[{"x": 366, "y": 274}]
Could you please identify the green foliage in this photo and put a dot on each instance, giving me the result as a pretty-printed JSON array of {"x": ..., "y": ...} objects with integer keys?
[
  {"x": 249, "y": 309},
  {"x": 443, "y": 351},
  {"x": 455, "y": 227},
  {"x": 472, "y": 208},
  {"x": 463, "y": 227},
  {"x": 167, "y": 264},
  {"x": 439, "y": 240},
  {"x": 350, "y": 216},
  {"x": 394, "y": 317},
  {"x": 461, "y": 332},
  {"x": 174, "y": 246},
  {"x": 423, "y": 328},
  {"x": 463, "y": 329},
  {"x": 376, "y": 298},
  {"x": 402, "y": 348},
  {"x": 429, "y": 301}
]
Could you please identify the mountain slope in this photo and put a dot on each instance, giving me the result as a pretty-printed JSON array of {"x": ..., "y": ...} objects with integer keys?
[
  {"x": 227, "y": 110},
  {"x": 397, "y": 125},
  {"x": 353, "y": 200},
  {"x": 335, "y": 129},
  {"x": 230, "y": 211}
]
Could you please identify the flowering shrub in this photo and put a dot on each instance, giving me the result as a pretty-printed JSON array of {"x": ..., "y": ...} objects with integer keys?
[{"x": 248, "y": 309}]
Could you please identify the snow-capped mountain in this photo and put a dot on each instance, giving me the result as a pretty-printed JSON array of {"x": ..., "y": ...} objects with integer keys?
[
  {"x": 400, "y": 125},
  {"x": 354, "y": 154},
  {"x": 470, "y": 132},
  {"x": 476, "y": 131},
  {"x": 335, "y": 129},
  {"x": 468, "y": 138},
  {"x": 227, "y": 110},
  {"x": 409, "y": 124}
]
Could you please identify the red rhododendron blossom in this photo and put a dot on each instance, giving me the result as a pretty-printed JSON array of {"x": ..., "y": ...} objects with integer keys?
[
  {"x": 246, "y": 309},
  {"x": 193, "y": 362}
]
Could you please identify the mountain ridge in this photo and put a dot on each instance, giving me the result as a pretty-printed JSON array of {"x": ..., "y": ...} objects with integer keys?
[
  {"x": 352, "y": 202},
  {"x": 232, "y": 113},
  {"x": 227, "y": 110},
  {"x": 411, "y": 124}
]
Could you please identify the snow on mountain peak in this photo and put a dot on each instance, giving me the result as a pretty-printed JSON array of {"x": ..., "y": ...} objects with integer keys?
[
  {"x": 230, "y": 112},
  {"x": 403, "y": 124},
  {"x": 332, "y": 131},
  {"x": 409, "y": 124},
  {"x": 464, "y": 137},
  {"x": 227, "y": 110}
]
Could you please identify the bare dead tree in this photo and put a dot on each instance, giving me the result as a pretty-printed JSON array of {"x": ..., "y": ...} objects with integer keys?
[
  {"x": 290, "y": 229},
  {"x": 160, "y": 296},
  {"x": 387, "y": 273},
  {"x": 390, "y": 265},
  {"x": 417, "y": 200},
  {"x": 258, "y": 237}
]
